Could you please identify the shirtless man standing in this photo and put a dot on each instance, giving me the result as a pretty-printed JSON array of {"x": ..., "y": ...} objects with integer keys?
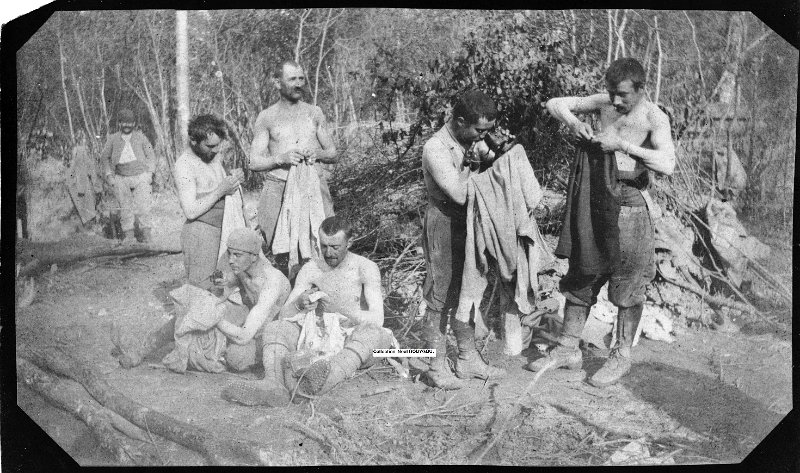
[
  {"x": 286, "y": 134},
  {"x": 444, "y": 237},
  {"x": 352, "y": 285},
  {"x": 608, "y": 232},
  {"x": 202, "y": 185}
]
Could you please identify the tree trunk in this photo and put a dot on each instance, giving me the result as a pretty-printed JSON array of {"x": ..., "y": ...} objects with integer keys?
[
  {"x": 182, "y": 66},
  {"x": 660, "y": 54},
  {"x": 217, "y": 451},
  {"x": 61, "y": 62},
  {"x": 610, "y": 37},
  {"x": 298, "y": 46},
  {"x": 72, "y": 398}
]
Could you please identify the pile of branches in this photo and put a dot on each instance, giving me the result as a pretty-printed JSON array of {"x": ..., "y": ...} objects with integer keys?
[{"x": 686, "y": 256}]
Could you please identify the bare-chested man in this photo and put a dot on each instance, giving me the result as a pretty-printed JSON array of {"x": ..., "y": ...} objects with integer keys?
[
  {"x": 202, "y": 185},
  {"x": 263, "y": 290},
  {"x": 288, "y": 133},
  {"x": 444, "y": 237},
  {"x": 352, "y": 285},
  {"x": 608, "y": 233}
]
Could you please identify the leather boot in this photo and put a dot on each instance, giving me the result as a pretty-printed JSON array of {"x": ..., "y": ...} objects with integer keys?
[
  {"x": 439, "y": 374},
  {"x": 146, "y": 236},
  {"x": 271, "y": 391},
  {"x": 619, "y": 362},
  {"x": 132, "y": 354},
  {"x": 323, "y": 375},
  {"x": 129, "y": 237},
  {"x": 566, "y": 354},
  {"x": 469, "y": 363}
]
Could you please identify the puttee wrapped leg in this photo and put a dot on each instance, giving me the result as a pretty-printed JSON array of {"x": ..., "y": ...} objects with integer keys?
[
  {"x": 323, "y": 375},
  {"x": 279, "y": 339}
]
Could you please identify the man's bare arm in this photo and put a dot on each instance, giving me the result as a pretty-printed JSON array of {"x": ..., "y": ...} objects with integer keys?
[
  {"x": 328, "y": 152},
  {"x": 372, "y": 294},
  {"x": 302, "y": 284},
  {"x": 564, "y": 109},
  {"x": 258, "y": 314},
  {"x": 187, "y": 191},
  {"x": 260, "y": 159},
  {"x": 438, "y": 163}
]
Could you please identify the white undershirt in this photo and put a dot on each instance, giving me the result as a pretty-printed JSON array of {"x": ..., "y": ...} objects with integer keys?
[{"x": 127, "y": 155}]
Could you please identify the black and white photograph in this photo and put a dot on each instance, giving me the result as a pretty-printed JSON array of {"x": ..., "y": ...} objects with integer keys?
[{"x": 392, "y": 236}]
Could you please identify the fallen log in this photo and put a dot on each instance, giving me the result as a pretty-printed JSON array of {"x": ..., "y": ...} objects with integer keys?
[
  {"x": 100, "y": 421},
  {"x": 216, "y": 450},
  {"x": 35, "y": 256},
  {"x": 719, "y": 301}
]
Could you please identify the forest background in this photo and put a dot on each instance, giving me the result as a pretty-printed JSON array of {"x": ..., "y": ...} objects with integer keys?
[{"x": 385, "y": 79}]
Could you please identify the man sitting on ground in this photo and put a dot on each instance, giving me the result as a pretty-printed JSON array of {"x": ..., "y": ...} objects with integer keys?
[
  {"x": 263, "y": 290},
  {"x": 352, "y": 288}
]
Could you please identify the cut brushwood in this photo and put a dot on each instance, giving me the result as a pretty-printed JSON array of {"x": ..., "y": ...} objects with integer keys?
[
  {"x": 216, "y": 450},
  {"x": 101, "y": 421}
]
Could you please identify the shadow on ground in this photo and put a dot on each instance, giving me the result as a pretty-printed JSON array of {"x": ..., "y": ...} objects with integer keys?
[{"x": 731, "y": 420}]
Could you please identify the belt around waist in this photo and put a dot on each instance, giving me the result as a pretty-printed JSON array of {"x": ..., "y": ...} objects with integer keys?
[
  {"x": 214, "y": 215},
  {"x": 449, "y": 208}
]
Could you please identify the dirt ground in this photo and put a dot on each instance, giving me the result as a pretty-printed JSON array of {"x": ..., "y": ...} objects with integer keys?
[{"x": 710, "y": 397}]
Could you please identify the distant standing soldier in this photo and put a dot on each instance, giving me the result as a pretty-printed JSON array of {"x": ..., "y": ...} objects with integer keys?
[
  {"x": 84, "y": 184},
  {"x": 129, "y": 163},
  {"x": 286, "y": 134},
  {"x": 608, "y": 232}
]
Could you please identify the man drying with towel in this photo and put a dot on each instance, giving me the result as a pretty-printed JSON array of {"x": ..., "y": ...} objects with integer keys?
[
  {"x": 342, "y": 286},
  {"x": 444, "y": 237},
  {"x": 215, "y": 334},
  {"x": 608, "y": 232}
]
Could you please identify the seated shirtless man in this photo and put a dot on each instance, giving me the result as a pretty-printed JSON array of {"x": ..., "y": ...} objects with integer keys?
[
  {"x": 352, "y": 285},
  {"x": 263, "y": 291}
]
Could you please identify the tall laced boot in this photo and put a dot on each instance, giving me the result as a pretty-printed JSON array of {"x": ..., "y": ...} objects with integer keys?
[
  {"x": 146, "y": 237},
  {"x": 324, "y": 374},
  {"x": 439, "y": 374},
  {"x": 469, "y": 363},
  {"x": 129, "y": 237},
  {"x": 566, "y": 354},
  {"x": 132, "y": 354},
  {"x": 618, "y": 363}
]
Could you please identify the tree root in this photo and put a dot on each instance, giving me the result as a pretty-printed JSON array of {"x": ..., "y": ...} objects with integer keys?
[{"x": 216, "y": 450}]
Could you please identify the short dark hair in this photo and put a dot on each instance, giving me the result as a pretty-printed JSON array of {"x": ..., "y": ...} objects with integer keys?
[
  {"x": 625, "y": 68},
  {"x": 200, "y": 126},
  {"x": 333, "y": 225},
  {"x": 473, "y": 105},
  {"x": 278, "y": 71},
  {"x": 126, "y": 116}
]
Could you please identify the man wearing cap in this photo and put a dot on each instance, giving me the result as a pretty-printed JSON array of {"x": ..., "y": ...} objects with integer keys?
[
  {"x": 263, "y": 290},
  {"x": 129, "y": 163},
  {"x": 351, "y": 287}
]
